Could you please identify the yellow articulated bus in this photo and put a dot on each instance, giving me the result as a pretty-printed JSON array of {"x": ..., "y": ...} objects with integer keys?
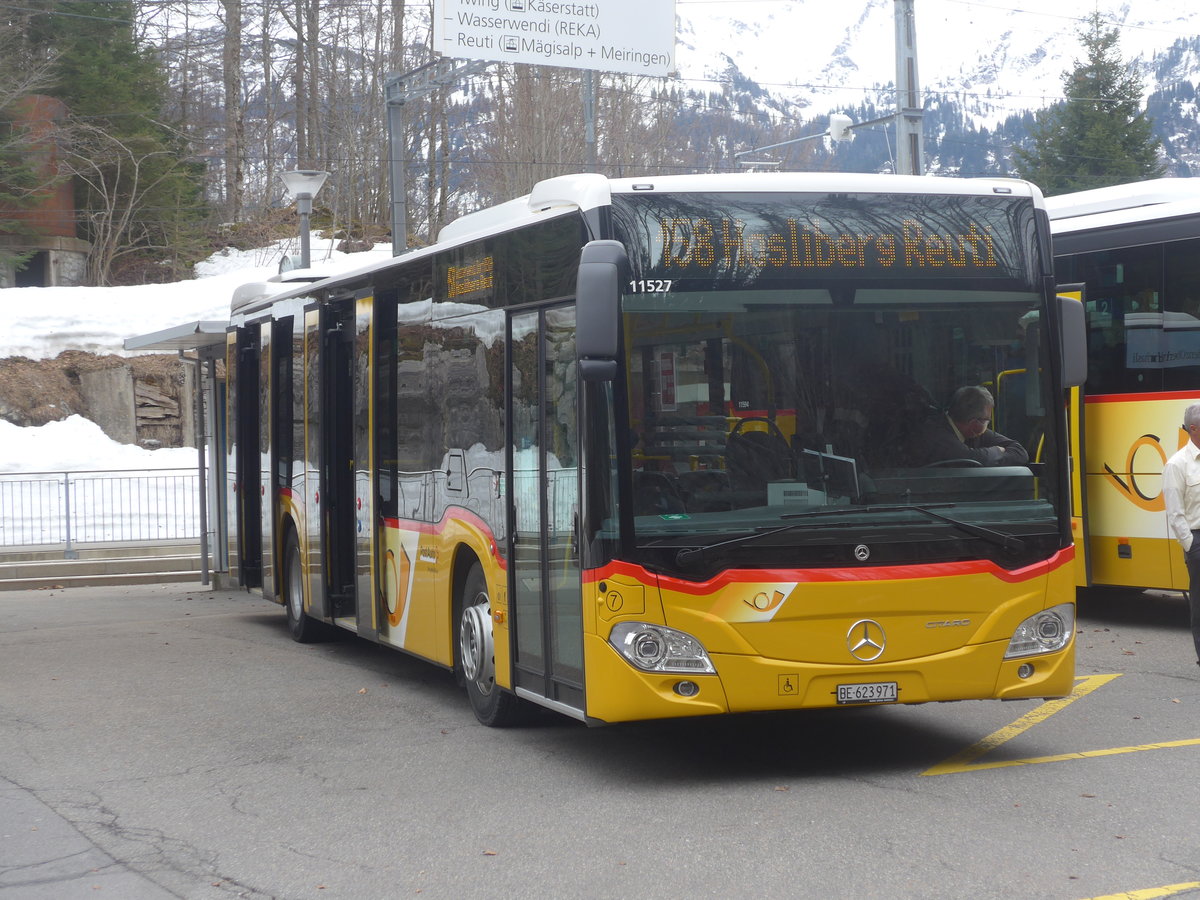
[
  {"x": 644, "y": 448},
  {"x": 1131, "y": 253}
]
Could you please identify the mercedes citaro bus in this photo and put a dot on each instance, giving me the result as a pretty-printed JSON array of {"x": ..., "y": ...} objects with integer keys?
[{"x": 640, "y": 448}]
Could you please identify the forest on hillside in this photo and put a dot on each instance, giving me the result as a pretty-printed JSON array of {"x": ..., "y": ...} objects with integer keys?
[{"x": 185, "y": 112}]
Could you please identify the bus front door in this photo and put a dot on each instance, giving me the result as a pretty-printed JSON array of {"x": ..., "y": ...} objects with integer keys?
[{"x": 544, "y": 585}]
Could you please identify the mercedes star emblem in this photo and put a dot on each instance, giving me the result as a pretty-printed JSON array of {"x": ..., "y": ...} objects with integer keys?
[{"x": 866, "y": 640}]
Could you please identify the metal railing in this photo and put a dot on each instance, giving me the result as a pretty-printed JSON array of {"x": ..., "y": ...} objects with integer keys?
[{"x": 69, "y": 508}]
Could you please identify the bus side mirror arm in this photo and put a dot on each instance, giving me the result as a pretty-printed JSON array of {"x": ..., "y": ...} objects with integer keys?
[
  {"x": 603, "y": 266},
  {"x": 1074, "y": 341}
]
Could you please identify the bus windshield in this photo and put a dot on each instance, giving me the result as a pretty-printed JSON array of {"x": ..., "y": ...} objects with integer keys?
[{"x": 789, "y": 366}]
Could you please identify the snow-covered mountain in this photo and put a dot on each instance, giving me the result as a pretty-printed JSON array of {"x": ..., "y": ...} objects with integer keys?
[{"x": 981, "y": 66}]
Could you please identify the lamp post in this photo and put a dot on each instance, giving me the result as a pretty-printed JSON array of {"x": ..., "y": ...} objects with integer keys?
[{"x": 302, "y": 185}]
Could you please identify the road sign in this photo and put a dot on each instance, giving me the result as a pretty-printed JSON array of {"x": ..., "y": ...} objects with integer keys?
[{"x": 632, "y": 36}]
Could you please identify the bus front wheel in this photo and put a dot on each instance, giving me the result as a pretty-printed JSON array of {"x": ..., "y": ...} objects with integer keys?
[{"x": 492, "y": 705}]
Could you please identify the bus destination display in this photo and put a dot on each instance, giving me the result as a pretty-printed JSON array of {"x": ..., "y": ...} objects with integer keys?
[
  {"x": 703, "y": 242},
  {"x": 468, "y": 279},
  {"x": 684, "y": 238}
]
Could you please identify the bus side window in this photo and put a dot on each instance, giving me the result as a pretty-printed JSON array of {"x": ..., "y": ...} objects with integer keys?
[{"x": 1181, "y": 315}]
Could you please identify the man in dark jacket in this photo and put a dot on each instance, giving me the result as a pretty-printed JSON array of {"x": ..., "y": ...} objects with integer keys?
[{"x": 963, "y": 433}]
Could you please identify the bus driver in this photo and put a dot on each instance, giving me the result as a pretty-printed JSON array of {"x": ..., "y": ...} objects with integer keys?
[{"x": 962, "y": 433}]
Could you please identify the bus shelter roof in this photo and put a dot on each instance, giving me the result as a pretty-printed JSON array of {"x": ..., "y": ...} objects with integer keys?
[{"x": 180, "y": 338}]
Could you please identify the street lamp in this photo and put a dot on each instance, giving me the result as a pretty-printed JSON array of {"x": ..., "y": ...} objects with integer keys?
[{"x": 302, "y": 185}]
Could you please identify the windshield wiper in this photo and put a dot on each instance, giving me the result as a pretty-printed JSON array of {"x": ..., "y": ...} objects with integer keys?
[
  {"x": 687, "y": 556},
  {"x": 1009, "y": 542}
]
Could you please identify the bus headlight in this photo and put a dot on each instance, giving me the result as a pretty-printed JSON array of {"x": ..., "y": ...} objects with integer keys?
[
  {"x": 1045, "y": 632},
  {"x": 656, "y": 648}
]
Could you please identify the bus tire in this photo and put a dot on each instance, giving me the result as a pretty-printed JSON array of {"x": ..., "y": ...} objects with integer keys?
[
  {"x": 304, "y": 628},
  {"x": 493, "y": 706}
]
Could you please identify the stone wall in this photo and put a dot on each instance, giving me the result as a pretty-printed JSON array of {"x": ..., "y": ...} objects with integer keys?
[
  {"x": 108, "y": 396},
  {"x": 146, "y": 400},
  {"x": 165, "y": 410}
]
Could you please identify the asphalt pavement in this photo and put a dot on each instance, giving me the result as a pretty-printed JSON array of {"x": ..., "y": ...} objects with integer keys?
[{"x": 171, "y": 741}]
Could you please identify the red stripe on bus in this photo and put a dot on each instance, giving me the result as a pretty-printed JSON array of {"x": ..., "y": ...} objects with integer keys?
[
  {"x": 919, "y": 571},
  {"x": 1129, "y": 398},
  {"x": 436, "y": 528}
]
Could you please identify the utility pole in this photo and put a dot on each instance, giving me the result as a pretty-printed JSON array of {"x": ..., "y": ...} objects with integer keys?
[
  {"x": 589, "y": 120},
  {"x": 398, "y": 89},
  {"x": 910, "y": 145}
]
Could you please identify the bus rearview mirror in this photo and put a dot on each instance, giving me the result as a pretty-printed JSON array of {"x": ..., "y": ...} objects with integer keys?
[
  {"x": 1074, "y": 341},
  {"x": 602, "y": 265}
]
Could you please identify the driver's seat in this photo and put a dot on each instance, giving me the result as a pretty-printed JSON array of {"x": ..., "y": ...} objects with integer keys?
[{"x": 754, "y": 458}]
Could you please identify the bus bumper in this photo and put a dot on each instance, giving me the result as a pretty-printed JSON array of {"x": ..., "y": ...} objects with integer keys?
[
  {"x": 974, "y": 672},
  {"x": 619, "y": 692}
]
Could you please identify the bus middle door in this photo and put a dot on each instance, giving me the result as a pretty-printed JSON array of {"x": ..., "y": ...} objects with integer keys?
[{"x": 337, "y": 459}]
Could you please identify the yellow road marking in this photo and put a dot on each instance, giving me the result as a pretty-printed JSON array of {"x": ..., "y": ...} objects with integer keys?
[
  {"x": 964, "y": 761},
  {"x": 1150, "y": 893},
  {"x": 1059, "y": 757}
]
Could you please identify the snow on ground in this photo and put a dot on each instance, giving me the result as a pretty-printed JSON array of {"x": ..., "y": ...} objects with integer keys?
[
  {"x": 68, "y": 481},
  {"x": 77, "y": 443},
  {"x": 42, "y": 322}
]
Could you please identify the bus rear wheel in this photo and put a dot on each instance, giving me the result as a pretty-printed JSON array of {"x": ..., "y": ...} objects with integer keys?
[
  {"x": 492, "y": 705},
  {"x": 304, "y": 628}
]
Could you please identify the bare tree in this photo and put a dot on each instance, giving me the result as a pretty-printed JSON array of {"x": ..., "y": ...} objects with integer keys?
[
  {"x": 231, "y": 68},
  {"x": 352, "y": 120},
  {"x": 307, "y": 89},
  {"x": 120, "y": 176},
  {"x": 535, "y": 128},
  {"x": 268, "y": 94}
]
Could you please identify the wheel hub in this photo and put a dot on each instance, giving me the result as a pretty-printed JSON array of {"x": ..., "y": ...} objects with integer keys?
[{"x": 475, "y": 644}]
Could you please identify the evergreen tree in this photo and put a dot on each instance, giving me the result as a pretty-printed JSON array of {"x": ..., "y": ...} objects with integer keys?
[
  {"x": 1100, "y": 135},
  {"x": 138, "y": 189}
]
